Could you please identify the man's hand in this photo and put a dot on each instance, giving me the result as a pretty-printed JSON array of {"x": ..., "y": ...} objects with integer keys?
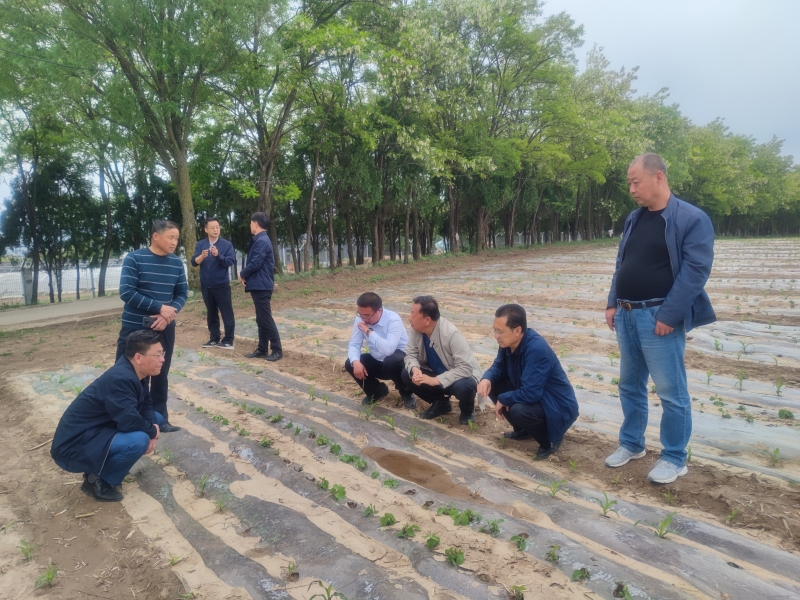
[
  {"x": 242, "y": 281},
  {"x": 150, "y": 445},
  {"x": 160, "y": 324},
  {"x": 610, "y": 312},
  {"x": 359, "y": 371},
  {"x": 201, "y": 257},
  {"x": 484, "y": 387},
  {"x": 364, "y": 328},
  {"x": 499, "y": 408},
  {"x": 662, "y": 329},
  {"x": 168, "y": 312},
  {"x": 158, "y": 430},
  {"x": 214, "y": 251},
  {"x": 421, "y": 379}
]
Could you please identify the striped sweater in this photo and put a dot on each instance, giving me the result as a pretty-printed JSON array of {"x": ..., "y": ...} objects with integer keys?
[{"x": 149, "y": 281}]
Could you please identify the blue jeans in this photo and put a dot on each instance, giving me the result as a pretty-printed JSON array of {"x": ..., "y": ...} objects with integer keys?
[
  {"x": 125, "y": 450},
  {"x": 644, "y": 353}
]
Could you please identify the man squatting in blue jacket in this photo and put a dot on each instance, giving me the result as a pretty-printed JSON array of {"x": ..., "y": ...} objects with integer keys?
[
  {"x": 112, "y": 424},
  {"x": 527, "y": 384},
  {"x": 215, "y": 255},
  {"x": 663, "y": 263}
]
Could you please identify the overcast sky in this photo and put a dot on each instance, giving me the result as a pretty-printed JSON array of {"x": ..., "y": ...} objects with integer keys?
[{"x": 734, "y": 59}]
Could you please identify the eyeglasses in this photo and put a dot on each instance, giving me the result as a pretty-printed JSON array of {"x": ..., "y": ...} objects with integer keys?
[
  {"x": 367, "y": 317},
  {"x": 160, "y": 354},
  {"x": 498, "y": 333}
]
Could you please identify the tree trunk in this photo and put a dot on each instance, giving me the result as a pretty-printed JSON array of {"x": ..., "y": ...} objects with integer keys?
[
  {"x": 306, "y": 257},
  {"x": 101, "y": 285},
  {"x": 77, "y": 276},
  {"x": 452, "y": 241},
  {"x": 416, "y": 235},
  {"x": 189, "y": 230},
  {"x": 407, "y": 248},
  {"x": 375, "y": 240},
  {"x": 292, "y": 240},
  {"x": 331, "y": 249},
  {"x": 350, "y": 252}
]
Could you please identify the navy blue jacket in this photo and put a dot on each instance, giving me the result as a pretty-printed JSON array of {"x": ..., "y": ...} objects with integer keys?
[
  {"x": 690, "y": 242},
  {"x": 114, "y": 402},
  {"x": 536, "y": 374},
  {"x": 215, "y": 270},
  {"x": 258, "y": 272}
]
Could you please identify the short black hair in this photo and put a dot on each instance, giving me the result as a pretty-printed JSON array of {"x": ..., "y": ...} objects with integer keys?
[
  {"x": 428, "y": 306},
  {"x": 161, "y": 225},
  {"x": 209, "y": 219},
  {"x": 261, "y": 219},
  {"x": 370, "y": 300},
  {"x": 139, "y": 342},
  {"x": 515, "y": 316}
]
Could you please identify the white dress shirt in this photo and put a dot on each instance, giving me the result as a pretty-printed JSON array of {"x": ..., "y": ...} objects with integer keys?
[{"x": 387, "y": 336}]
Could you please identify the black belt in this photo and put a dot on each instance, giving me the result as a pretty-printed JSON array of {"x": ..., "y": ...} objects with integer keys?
[{"x": 643, "y": 304}]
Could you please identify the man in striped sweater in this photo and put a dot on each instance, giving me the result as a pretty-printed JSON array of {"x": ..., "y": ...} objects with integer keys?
[{"x": 153, "y": 287}]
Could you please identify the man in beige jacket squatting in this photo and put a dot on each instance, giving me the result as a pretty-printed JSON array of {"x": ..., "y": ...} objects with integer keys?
[{"x": 439, "y": 363}]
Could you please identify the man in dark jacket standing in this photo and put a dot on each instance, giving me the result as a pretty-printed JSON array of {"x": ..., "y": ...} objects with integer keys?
[
  {"x": 258, "y": 280},
  {"x": 215, "y": 256},
  {"x": 527, "y": 384},
  {"x": 153, "y": 286},
  {"x": 112, "y": 424},
  {"x": 656, "y": 296}
]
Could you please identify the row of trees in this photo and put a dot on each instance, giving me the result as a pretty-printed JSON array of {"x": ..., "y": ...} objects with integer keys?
[{"x": 352, "y": 124}]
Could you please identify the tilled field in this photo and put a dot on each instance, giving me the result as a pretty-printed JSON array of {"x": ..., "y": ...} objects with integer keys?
[{"x": 280, "y": 479}]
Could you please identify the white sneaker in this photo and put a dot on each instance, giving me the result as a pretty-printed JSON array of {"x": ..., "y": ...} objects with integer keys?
[
  {"x": 666, "y": 472},
  {"x": 622, "y": 456}
]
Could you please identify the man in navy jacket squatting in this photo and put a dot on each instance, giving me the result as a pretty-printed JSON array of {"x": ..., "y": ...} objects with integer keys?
[
  {"x": 527, "y": 384},
  {"x": 112, "y": 424},
  {"x": 215, "y": 256}
]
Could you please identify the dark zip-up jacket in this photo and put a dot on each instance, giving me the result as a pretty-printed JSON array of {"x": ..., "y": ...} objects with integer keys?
[
  {"x": 690, "y": 242},
  {"x": 115, "y": 402},
  {"x": 215, "y": 270},
  {"x": 536, "y": 374},
  {"x": 258, "y": 273}
]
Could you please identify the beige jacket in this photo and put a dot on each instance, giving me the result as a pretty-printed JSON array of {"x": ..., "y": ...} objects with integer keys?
[{"x": 452, "y": 349}]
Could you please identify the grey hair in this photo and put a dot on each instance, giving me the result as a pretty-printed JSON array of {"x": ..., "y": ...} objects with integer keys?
[{"x": 651, "y": 162}]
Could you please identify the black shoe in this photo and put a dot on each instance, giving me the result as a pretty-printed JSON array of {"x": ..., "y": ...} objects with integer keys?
[
  {"x": 167, "y": 427},
  {"x": 379, "y": 395},
  {"x": 409, "y": 401},
  {"x": 545, "y": 452},
  {"x": 256, "y": 354},
  {"x": 442, "y": 407},
  {"x": 275, "y": 355},
  {"x": 517, "y": 435},
  {"x": 101, "y": 490},
  {"x": 210, "y": 344},
  {"x": 225, "y": 345},
  {"x": 466, "y": 419}
]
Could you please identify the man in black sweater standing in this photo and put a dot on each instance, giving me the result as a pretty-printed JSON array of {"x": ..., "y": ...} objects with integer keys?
[
  {"x": 257, "y": 277},
  {"x": 215, "y": 256}
]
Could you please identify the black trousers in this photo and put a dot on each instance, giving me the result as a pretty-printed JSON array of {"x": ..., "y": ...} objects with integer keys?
[
  {"x": 218, "y": 301},
  {"x": 159, "y": 385},
  {"x": 268, "y": 337},
  {"x": 525, "y": 417},
  {"x": 389, "y": 369},
  {"x": 463, "y": 389}
]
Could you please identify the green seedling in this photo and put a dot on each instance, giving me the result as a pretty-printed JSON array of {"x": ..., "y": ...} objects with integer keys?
[
  {"x": 26, "y": 548},
  {"x": 742, "y": 408},
  {"x": 259, "y": 411},
  {"x": 291, "y": 568},
  {"x": 745, "y": 346},
  {"x": 688, "y": 454},
  {"x": 612, "y": 356},
  {"x": 391, "y": 483},
  {"x": 615, "y": 481},
  {"x": 266, "y": 442},
  {"x": 573, "y": 466},
  {"x": 518, "y": 592},
  {"x": 785, "y": 414},
  {"x": 336, "y": 449},
  {"x": 724, "y": 413},
  {"x": 297, "y": 430},
  {"x": 408, "y": 531},
  {"x": 244, "y": 433},
  {"x": 289, "y": 425},
  {"x": 653, "y": 388},
  {"x": 581, "y": 574},
  {"x": 740, "y": 376},
  {"x": 389, "y": 420},
  {"x": 708, "y": 377},
  {"x": 201, "y": 485},
  {"x": 323, "y": 483},
  {"x": 338, "y": 491},
  {"x": 621, "y": 591},
  {"x": 600, "y": 377},
  {"x": 431, "y": 540},
  {"x": 370, "y": 511},
  {"x": 199, "y": 409},
  {"x": 387, "y": 520},
  {"x": 729, "y": 519},
  {"x": 275, "y": 418},
  {"x": 749, "y": 418},
  {"x": 220, "y": 506},
  {"x": 615, "y": 381},
  {"x": 492, "y": 527},
  {"x": 375, "y": 474},
  {"x": 662, "y": 528},
  {"x": 312, "y": 434},
  {"x": 606, "y": 505},
  {"x": 47, "y": 578},
  {"x": 442, "y": 419},
  {"x": 174, "y": 560},
  {"x": 553, "y": 487},
  {"x": 552, "y": 553},
  {"x": 322, "y": 440},
  {"x": 503, "y": 441},
  {"x": 202, "y": 355},
  {"x": 166, "y": 456},
  {"x": 368, "y": 411},
  {"x": 521, "y": 541},
  {"x": 311, "y": 395},
  {"x": 412, "y": 437},
  {"x": 773, "y": 456},
  {"x": 473, "y": 426},
  {"x": 328, "y": 593},
  {"x": 455, "y": 556},
  {"x": 669, "y": 497}
]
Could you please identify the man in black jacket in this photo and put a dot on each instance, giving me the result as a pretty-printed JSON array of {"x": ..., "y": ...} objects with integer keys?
[
  {"x": 215, "y": 256},
  {"x": 112, "y": 424},
  {"x": 257, "y": 277}
]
